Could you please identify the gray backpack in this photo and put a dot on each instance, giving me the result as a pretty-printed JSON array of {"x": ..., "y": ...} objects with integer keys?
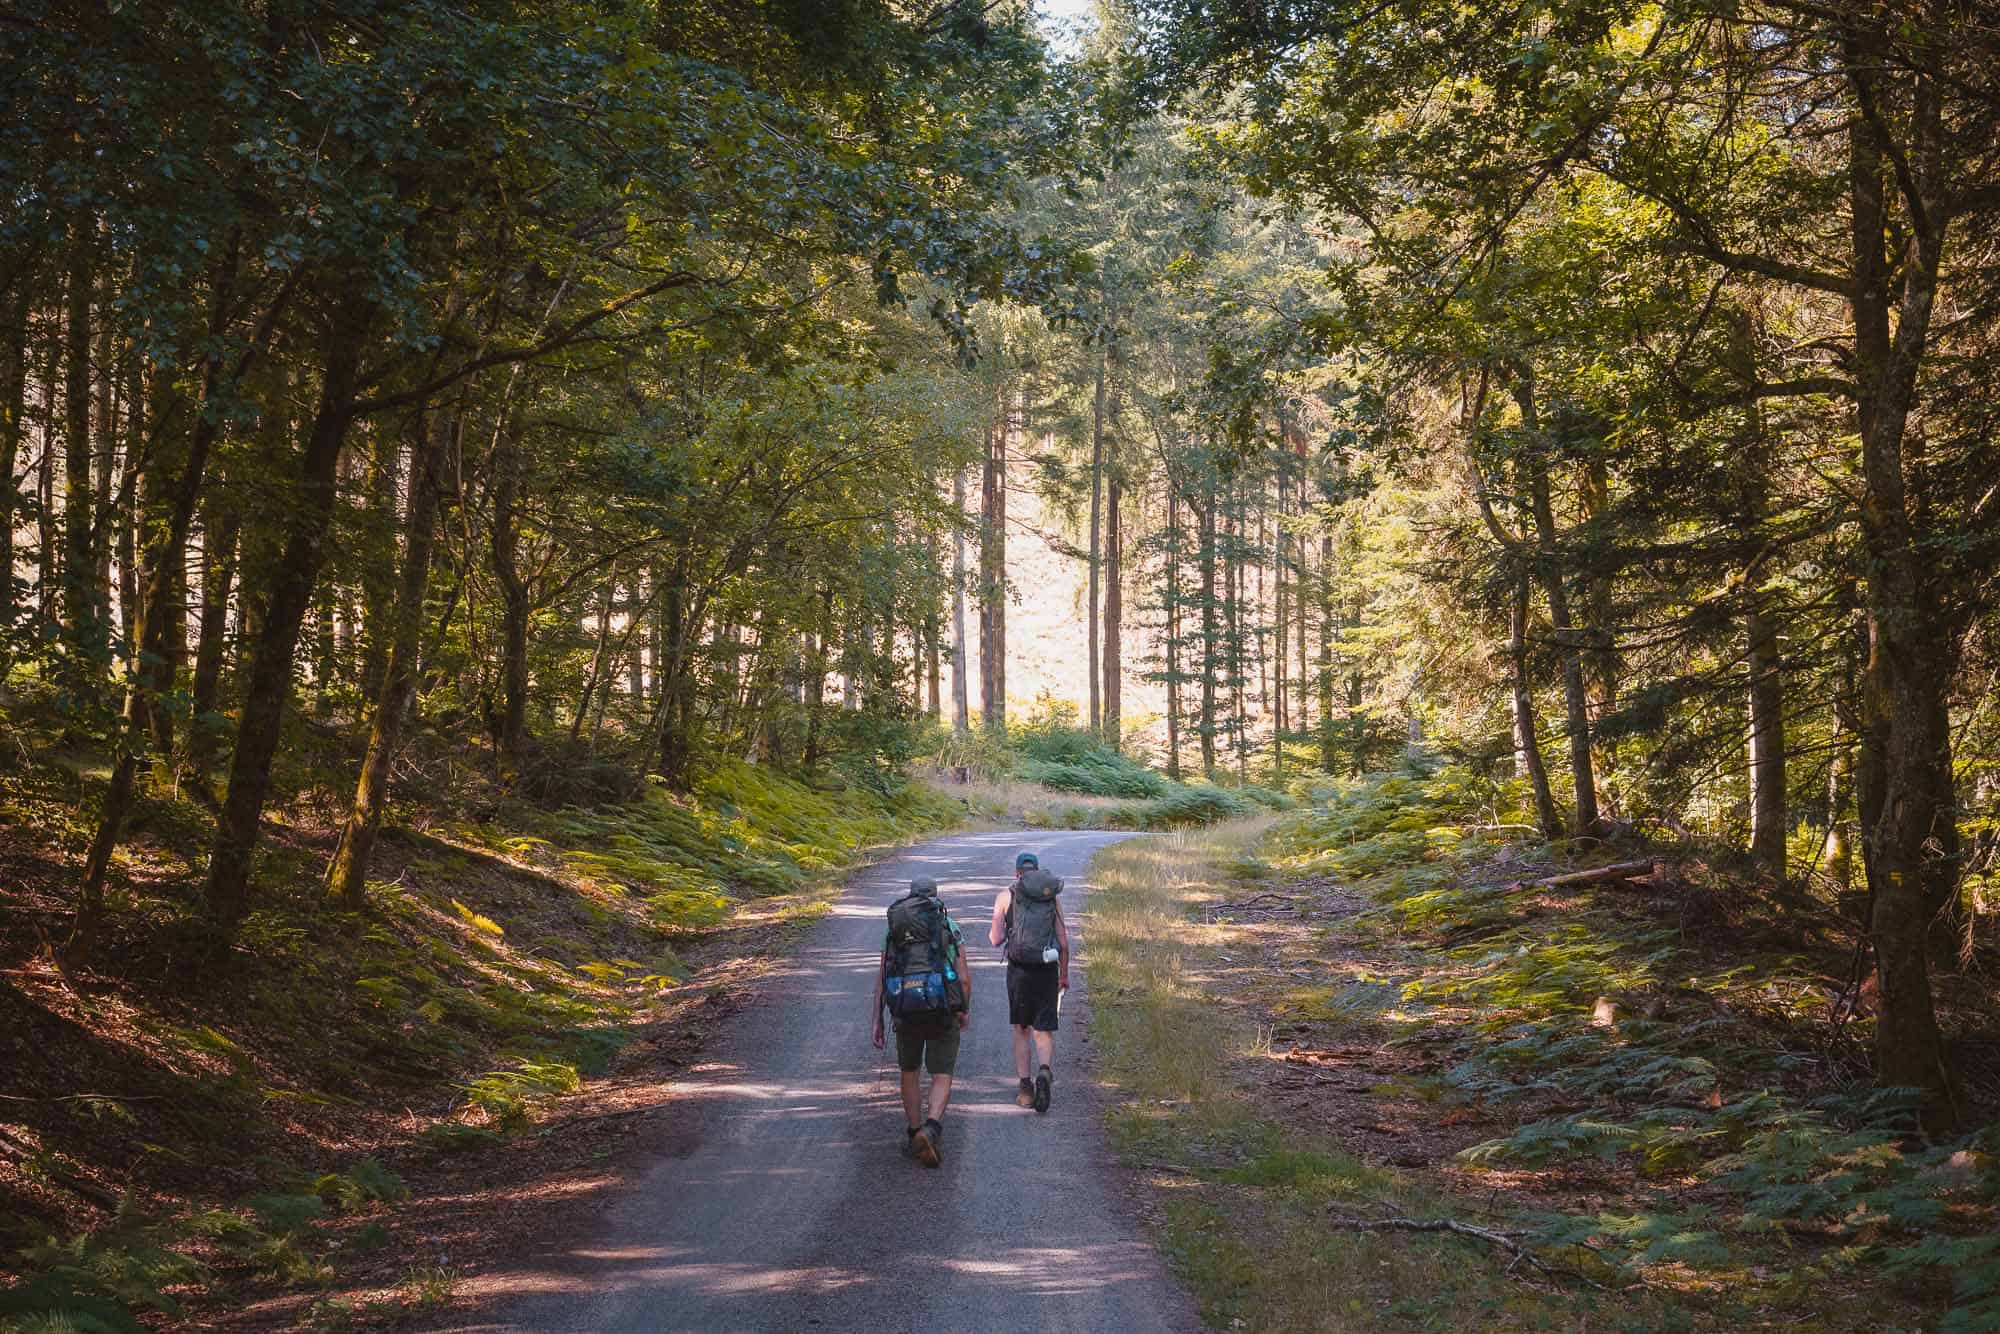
[{"x": 1031, "y": 918}]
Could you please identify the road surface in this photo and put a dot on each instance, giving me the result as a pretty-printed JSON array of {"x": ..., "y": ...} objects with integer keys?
[{"x": 792, "y": 1205}]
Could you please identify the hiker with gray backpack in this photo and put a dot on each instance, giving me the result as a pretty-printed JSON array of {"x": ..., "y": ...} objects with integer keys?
[
  {"x": 1028, "y": 921},
  {"x": 923, "y": 984}
]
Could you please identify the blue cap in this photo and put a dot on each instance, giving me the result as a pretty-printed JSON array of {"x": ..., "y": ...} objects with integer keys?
[{"x": 1027, "y": 859}]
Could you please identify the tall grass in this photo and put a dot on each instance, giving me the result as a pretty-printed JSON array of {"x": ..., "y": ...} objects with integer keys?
[{"x": 1159, "y": 1035}]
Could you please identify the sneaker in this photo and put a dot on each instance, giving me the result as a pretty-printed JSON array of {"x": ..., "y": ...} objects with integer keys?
[
  {"x": 1026, "y": 1097},
  {"x": 923, "y": 1141},
  {"x": 1042, "y": 1090}
]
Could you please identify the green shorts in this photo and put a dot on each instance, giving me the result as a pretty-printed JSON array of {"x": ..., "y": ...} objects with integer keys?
[{"x": 937, "y": 1052}]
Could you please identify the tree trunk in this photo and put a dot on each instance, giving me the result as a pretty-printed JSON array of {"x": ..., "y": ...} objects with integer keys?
[
  {"x": 1767, "y": 738},
  {"x": 933, "y": 666},
  {"x": 514, "y": 609},
  {"x": 1576, "y": 700},
  {"x": 1281, "y": 625},
  {"x": 152, "y": 667},
  {"x": 816, "y": 678},
  {"x": 993, "y": 579},
  {"x": 961, "y": 704},
  {"x": 1839, "y": 785},
  {"x": 1329, "y": 742},
  {"x": 1096, "y": 510},
  {"x": 287, "y": 592},
  {"x": 1600, "y": 660},
  {"x": 379, "y": 581},
  {"x": 635, "y": 650},
  {"x": 1232, "y": 607},
  {"x": 13, "y": 429},
  {"x": 1302, "y": 724},
  {"x": 1909, "y": 827},
  {"x": 79, "y": 596},
  {"x": 48, "y": 566},
  {"x": 218, "y": 575},
  {"x": 597, "y": 666},
  {"x": 1527, "y": 746},
  {"x": 1209, "y": 664},
  {"x": 347, "y": 876},
  {"x": 1114, "y": 615},
  {"x": 1173, "y": 598}
]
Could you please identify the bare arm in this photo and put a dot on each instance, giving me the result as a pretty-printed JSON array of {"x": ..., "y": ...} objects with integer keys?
[{"x": 998, "y": 935}]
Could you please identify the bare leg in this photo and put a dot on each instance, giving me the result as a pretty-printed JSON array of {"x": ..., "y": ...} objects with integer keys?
[
  {"x": 1045, "y": 1047},
  {"x": 940, "y": 1095},
  {"x": 1021, "y": 1066},
  {"x": 913, "y": 1108}
]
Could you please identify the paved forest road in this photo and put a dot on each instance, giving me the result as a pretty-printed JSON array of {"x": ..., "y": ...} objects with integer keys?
[{"x": 793, "y": 1206}]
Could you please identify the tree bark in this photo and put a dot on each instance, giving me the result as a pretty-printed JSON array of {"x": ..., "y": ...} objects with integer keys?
[
  {"x": 1281, "y": 624},
  {"x": 379, "y": 586},
  {"x": 1329, "y": 743},
  {"x": 635, "y": 644},
  {"x": 1767, "y": 738},
  {"x": 1096, "y": 509},
  {"x": 1209, "y": 664},
  {"x": 218, "y": 574},
  {"x": 514, "y": 609},
  {"x": 79, "y": 600},
  {"x": 1527, "y": 746},
  {"x": 1909, "y": 828},
  {"x": 606, "y": 596},
  {"x": 153, "y": 661},
  {"x": 1173, "y": 598},
  {"x": 347, "y": 875},
  {"x": 13, "y": 429},
  {"x": 287, "y": 592},
  {"x": 1576, "y": 700},
  {"x": 1600, "y": 661},
  {"x": 1114, "y": 615},
  {"x": 993, "y": 578},
  {"x": 961, "y": 704}
]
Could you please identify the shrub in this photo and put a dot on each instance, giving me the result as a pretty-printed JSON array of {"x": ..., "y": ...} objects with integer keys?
[
  {"x": 1100, "y": 774},
  {"x": 560, "y": 773},
  {"x": 1182, "y": 807}
]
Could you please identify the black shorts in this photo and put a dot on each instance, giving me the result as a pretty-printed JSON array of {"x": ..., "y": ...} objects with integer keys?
[{"x": 1031, "y": 995}]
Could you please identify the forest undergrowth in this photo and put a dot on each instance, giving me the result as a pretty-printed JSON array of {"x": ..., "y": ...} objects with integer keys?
[
  {"x": 170, "y": 1150},
  {"x": 1651, "y": 1092}
]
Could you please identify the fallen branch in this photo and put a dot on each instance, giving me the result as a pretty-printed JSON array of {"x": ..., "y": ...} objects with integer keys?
[
  {"x": 1520, "y": 1253},
  {"x": 1286, "y": 899},
  {"x": 1596, "y": 874}
]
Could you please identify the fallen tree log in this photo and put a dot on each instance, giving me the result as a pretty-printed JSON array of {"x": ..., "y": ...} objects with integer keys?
[{"x": 1595, "y": 875}]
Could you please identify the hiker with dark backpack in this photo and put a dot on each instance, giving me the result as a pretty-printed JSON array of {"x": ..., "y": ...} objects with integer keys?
[
  {"x": 1028, "y": 921},
  {"x": 923, "y": 984}
]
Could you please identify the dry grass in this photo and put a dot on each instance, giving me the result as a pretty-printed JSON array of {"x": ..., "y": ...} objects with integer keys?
[
  {"x": 1239, "y": 1192},
  {"x": 1013, "y": 802}
]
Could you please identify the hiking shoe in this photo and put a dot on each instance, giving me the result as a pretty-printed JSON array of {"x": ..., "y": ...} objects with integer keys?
[
  {"x": 923, "y": 1141},
  {"x": 1042, "y": 1090},
  {"x": 1026, "y": 1097}
]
